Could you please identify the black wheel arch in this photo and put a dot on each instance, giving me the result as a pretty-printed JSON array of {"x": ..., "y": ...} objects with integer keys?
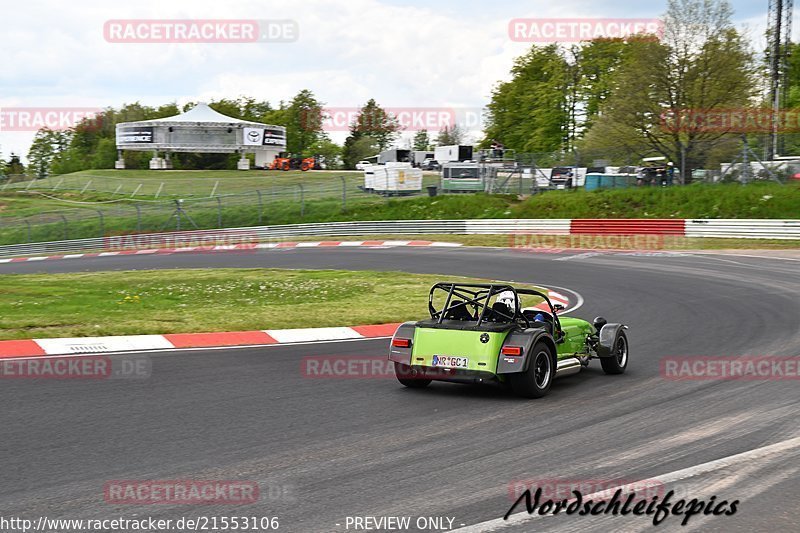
[
  {"x": 527, "y": 339},
  {"x": 607, "y": 337}
]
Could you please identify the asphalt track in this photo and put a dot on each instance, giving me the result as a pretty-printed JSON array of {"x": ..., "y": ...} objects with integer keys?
[{"x": 326, "y": 449}]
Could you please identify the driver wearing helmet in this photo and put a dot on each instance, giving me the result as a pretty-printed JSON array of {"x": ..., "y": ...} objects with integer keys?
[
  {"x": 504, "y": 308},
  {"x": 508, "y": 298}
]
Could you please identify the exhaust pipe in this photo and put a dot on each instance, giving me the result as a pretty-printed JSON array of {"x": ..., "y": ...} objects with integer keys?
[{"x": 567, "y": 367}]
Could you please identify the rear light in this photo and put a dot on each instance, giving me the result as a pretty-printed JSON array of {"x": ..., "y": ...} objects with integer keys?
[
  {"x": 401, "y": 343},
  {"x": 512, "y": 350}
]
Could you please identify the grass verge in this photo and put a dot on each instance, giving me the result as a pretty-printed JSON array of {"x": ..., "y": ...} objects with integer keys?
[
  {"x": 757, "y": 200},
  {"x": 187, "y": 301},
  {"x": 146, "y": 184}
]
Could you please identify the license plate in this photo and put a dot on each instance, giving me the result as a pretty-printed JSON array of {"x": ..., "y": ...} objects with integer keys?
[{"x": 449, "y": 361}]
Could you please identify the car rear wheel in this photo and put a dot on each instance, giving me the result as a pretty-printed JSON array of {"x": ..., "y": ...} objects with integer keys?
[
  {"x": 536, "y": 381},
  {"x": 409, "y": 377},
  {"x": 617, "y": 363}
]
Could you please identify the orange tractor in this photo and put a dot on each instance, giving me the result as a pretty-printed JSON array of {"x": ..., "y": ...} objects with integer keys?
[{"x": 284, "y": 161}]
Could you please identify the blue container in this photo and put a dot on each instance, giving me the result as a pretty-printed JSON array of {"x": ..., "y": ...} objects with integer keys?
[
  {"x": 621, "y": 182},
  {"x": 606, "y": 181},
  {"x": 592, "y": 182}
]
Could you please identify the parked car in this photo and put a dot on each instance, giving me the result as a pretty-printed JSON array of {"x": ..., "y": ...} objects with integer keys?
[
  {"x": 430, "y": 164},
  {"x": 361, "y": 165}
]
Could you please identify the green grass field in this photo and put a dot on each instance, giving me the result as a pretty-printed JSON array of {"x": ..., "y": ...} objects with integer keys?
[
  {"x": 182, "y": 183},
  {"x": 185, "y": 301},
  {"x": 146, "y": 184}
]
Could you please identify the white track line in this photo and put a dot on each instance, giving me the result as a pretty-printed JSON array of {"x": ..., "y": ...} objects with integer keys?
[
  {"x": 692, "y": 471},
  {"x": 579, "y": 301},
  {"x": 704, "y": 252}
]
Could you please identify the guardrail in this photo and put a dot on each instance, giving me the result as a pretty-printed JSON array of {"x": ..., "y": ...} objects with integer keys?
[
  {"x": 761, "y": 229},
  {"x": 621, "y": 226},
  {"x": 267, "y": 233},
  {"x": 743, "y": 229}
]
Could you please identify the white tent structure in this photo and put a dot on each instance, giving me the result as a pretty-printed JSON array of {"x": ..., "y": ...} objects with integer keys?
[{"x": 200, "y": 130}]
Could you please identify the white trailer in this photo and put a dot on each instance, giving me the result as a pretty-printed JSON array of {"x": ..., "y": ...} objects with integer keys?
[
  {"x": 393, "y": 178},
  {"x": 419, "y": 156},
  {"x": 452, "y": 154}
]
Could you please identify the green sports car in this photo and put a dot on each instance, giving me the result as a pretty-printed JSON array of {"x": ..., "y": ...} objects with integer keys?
[{"x": 482, "y": 333}]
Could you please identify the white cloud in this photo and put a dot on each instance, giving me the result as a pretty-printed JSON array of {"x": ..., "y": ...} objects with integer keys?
[{"x": 415, "y": 55}]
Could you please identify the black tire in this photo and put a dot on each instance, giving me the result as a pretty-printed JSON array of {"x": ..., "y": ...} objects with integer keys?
[
  {"x": 536, "y": 381},
  {"x": 619, "y": 361},
  {"x": 407, "y": 377}
]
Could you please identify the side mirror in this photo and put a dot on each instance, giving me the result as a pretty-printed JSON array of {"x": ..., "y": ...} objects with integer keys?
[{"x": 558, "y": 307}]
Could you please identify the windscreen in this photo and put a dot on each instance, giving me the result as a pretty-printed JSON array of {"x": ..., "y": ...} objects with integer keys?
[{"x": 461, "y": 173}]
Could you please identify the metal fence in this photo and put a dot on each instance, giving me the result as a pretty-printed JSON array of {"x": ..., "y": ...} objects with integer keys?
[
  {"x": 322, "y": 184},
  {"x": 126, "y": 206},
  {"x": 278, "y": 232},
  {"x": 187, "y": 186},
  {"x": 169, "y": 206}
]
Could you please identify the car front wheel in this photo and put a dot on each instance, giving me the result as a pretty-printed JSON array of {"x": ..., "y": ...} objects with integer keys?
[{"x": 618, "y": 362}]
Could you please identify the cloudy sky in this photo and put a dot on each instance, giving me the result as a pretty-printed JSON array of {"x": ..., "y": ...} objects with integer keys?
[{"x": 403, "y": 53}]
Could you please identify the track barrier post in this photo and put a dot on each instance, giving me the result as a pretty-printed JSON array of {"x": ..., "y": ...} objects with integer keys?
[{"x": 102, "y": 222}]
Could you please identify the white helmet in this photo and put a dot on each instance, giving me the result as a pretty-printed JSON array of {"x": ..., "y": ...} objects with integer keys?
[{"x": 508, "y": 298}]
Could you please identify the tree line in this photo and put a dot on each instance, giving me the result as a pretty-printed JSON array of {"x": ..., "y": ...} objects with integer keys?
[
  {"x": 92, "y": 143},
  {"x": 623, "y": 99}
]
